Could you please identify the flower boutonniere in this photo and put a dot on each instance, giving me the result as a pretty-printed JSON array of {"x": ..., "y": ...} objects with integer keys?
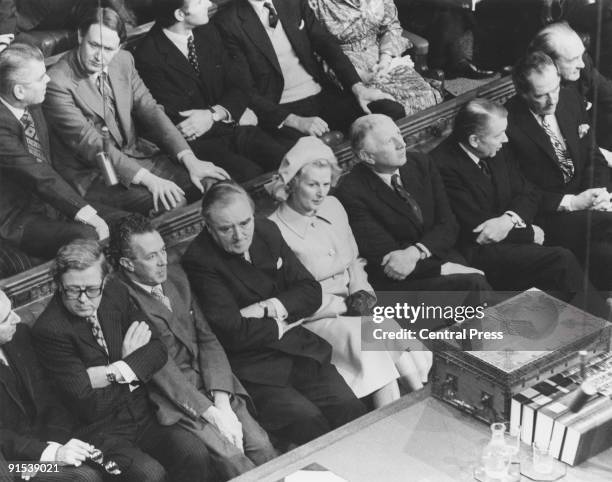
[{"x": 583, "y": 130}]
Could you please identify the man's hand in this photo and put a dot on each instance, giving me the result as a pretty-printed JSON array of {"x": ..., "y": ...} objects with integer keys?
[
  {"x": 399, "y": 264},
  {"x": 99, "y": 225},
  {"x": 365, "y": 95},
  {"x": 248, "y": 118},
  {"x": 163, "y": 190},
  {"x": 589, "y": 198},
  {"x": 494, "y": 230},
  {"x": 252, "y": 311},
  {"x": 312, "y": 126},
  {"x": 227, "y": 423},
  {"x": 199, "y": 170},
  {"x": 137, "y": 335},
  {"x": 97, "y": 377},
  {"x": 538, "y": 235},
  {"x": 455, "y": 268},
  {"x": 74, "y": 452},
  {"x": 197, "y": 122}
]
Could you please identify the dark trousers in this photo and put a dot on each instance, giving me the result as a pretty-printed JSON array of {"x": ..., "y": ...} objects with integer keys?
[
  {"x": 137, "y": 198},
  {"x": 245, "y": 152},
  {"x": 574, "y": 230},
  {"x": 228, "y": 460},
  {"x": 338, "y": 109},
  {"x": 146, "y": 451},
  {"x": 315, "y": 400},
  {"x": 42, "y": 236},
  {"x": 442, "y": 27}
]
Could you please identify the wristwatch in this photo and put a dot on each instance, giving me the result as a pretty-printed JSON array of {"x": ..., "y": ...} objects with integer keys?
[{"x": 110, "y": 374}]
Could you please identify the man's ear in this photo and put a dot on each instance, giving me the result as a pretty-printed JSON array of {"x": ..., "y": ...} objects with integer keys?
[
  {"x": 179, "y": 15},
  {"x": 18, "y": 92},
  {"x": 473, "y": 141},
  {"x": 126, "y": 264}
]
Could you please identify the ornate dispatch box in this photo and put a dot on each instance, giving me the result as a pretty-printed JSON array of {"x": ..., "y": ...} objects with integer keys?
[{"x": 541, "y": 337}]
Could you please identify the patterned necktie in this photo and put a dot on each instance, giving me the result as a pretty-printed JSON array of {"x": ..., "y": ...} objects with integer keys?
[
  {"x": 563, "y": 157},
  {"x": 106, "y": 91},
  {"x": 192, "y": 56},
  {"x": 96, "y": 329},
  {"x": 34, "y": 145},
  {"x": 272, "y": 15},
  {"x": 158, "y": 294},
  {"x": 408, "y": 199},
  {"x": 485, "y": 168}
]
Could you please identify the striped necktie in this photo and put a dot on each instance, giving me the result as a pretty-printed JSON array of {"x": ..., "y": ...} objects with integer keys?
[
  {"x": 272, "y": 15},
  {"x": 563, "y": 157},
  {"x": 407, "y": 197},
  {"x": 32, "y": 141},
  {"x": 158, "y": 293},
  {"x": 96, "y": 329}
]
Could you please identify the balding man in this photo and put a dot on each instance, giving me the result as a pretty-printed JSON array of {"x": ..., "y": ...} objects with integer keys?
[
  {"x": 255, "y": 293},
  {"x": 496, "y": 207},
  {"x": 39, "y": 210},
  {"x": 575, "y": 66},
  {"x": 400, "y": 214},
  {"x": 550, "y": 138}
]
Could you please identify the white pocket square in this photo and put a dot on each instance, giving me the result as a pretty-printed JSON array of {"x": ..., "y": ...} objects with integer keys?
[
  {"x": 583, "y": 129},
  {"x": 279, "y": 263},
  {"x": 301, "y": 24}
]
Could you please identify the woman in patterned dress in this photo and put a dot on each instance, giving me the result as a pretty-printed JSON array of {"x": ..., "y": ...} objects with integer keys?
[{"x": 371, "y": 36}]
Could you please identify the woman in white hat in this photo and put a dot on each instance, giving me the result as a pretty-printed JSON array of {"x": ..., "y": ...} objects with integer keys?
[{"x": 316, "y": 228}]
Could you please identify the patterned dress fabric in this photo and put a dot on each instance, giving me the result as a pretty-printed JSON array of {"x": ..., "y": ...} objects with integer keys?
[{"x": 368, "y": 28}]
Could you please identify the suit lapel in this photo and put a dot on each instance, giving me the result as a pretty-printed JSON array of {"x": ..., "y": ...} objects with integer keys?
[
  {"x": 257, "y": 33},
  {"x": 474, "y": 174},
  {"x": 123, "y": 94},
  {"x": 41, "y": 130},
  {"x": 182, "y": 307},
  {"x": 536, "y": 133},
  {"x": 288, "y": 20},
  {"x": 19, "y": 368},
  {"x": 568, "y": 128},
  {"x": 174, "y": 57}
]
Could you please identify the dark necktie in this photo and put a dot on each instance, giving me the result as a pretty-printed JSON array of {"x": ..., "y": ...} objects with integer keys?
[
  {"x": 272, "y": 15},
  {"x": 158, "y": 294},
  {"x": 485, "y": 168},
  {"x": 192, "y": 55},
  {"x": 32, "y": 141},
  {"x": 407, "y": 197},
  {"x": 96, "y": 329},
  {"x": 563, "y": 158}
]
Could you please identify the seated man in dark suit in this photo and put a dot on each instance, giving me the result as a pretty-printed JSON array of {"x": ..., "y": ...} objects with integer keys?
[
  {"x": 255, "y": 293},
  {"x": 95, "y": 86},
  {"x": 187, "y": 69},
  {"x": 100, "y": 352},
  {"x": 564, "y": 46},
  {"x": 549, "y": 136},
  {"x": 495, "y": 207},
  {"x": 274, "y": 44},
  {"x": 196, "y": 387},
  {"x": 39, "y": 210},
  {"x": 400, "y": 215},
  {"x": 34, "y": 426}
]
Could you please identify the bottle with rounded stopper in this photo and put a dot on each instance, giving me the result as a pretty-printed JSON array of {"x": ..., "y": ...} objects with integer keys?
[{"x": 495, "y": 455}]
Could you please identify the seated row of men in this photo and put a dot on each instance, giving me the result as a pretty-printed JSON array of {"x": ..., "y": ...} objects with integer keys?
[
  {"x": 201, "y": 112},
  {"x": 256, "y": 294}
]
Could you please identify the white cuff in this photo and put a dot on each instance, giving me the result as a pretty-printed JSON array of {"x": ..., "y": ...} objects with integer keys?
[
  {"x": 127, "y": 375},
  {"x": 50, "y": 453},
  {"x": 281, "y": 311},
  {"x": 180, "y": 156},
  {"x": 423, "y": 249},
  {"x": 566, "y": 203},
  {"x": 85, "y": 214},
  {"x": 228, "y": 117}
]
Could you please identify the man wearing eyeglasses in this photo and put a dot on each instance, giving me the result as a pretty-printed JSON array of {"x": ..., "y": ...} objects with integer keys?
[
  {"x": 34, "y": 425},
  {"x": 100, "y": 352}
]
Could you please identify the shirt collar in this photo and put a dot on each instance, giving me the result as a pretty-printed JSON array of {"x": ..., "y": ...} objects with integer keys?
[
  {"x": 16, "y": 111},
  {"x": 470, "y": 154},
  {"x": 177, "y": 38},
  {"x": 147, "y": 288},
  {"x": 300, "y": 223},
  {"x": 386, "y": 178},
  {"x": 258, "y": 5}
]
